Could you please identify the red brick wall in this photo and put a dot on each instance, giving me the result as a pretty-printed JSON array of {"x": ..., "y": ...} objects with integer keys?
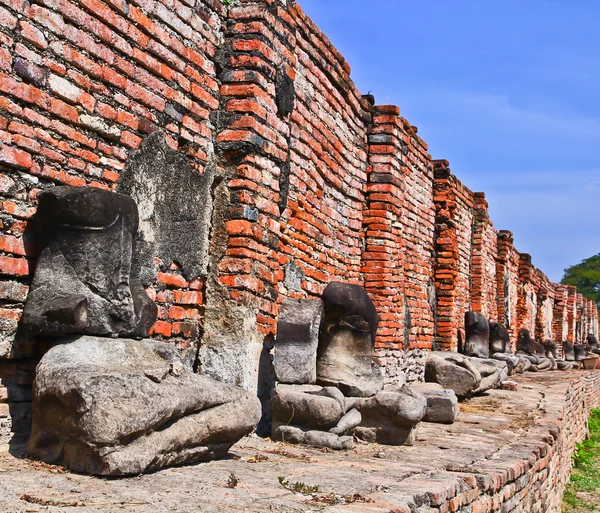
[
  {"x": 313, "y": 183},
  {"x": 484, "y": 253},
  {"x": 507, "y": 279},
  {"x": 560, "y": 313},
  {"x": 80, "y": 84},
  {"x": 383, "y": 255},
  {"x": 454, "y": 255}
]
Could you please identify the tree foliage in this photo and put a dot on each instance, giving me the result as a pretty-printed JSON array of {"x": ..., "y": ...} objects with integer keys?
[{"x": 586, "y": 277}]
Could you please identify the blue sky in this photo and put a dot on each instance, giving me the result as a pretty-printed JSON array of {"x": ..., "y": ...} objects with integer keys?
[{"x": 506, "y": 90}]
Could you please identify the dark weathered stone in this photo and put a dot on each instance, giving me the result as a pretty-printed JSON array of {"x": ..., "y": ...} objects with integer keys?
[
  {"x": 119, "y": 407},
  {"x": 298, "y": 324},
  {"x": 499, "y": 338},
  {"x": 477, "y": 335},
  {"x": 550, "y": 349},
  {"x": 285, "y": 93},
  {"x": 526, "y": 344},
  {"x": 175, "y": 205},
  {"x": 592, "y": 343},
  {"x": 568, "y": 351},
  {"x": 579, "y": 350},
  {"x": 442, "y": 404},
  {"x": 345, "y": 355},
  {"x": 83, "y": 282}
]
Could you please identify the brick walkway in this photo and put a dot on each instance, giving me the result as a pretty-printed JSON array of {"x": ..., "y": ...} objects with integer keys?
[{"x": 508, "y": 450}]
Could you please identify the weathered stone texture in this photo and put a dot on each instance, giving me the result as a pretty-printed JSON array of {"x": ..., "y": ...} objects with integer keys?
[{"x": 120, "y": 407}]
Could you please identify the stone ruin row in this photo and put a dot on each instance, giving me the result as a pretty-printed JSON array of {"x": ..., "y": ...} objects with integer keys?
[
  {"x": 255, "y": 185},
  {"x": 108, "y": 401}
]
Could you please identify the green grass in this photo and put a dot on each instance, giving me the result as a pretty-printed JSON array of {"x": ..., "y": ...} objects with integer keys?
[{"x": 586, "y": 469}]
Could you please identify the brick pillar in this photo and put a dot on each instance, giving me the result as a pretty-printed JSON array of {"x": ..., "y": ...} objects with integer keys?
[
  {"x": 383, "y": 256},
  {"x": 507, "y": 278},
  {"x": 559, "y": 325},
  {"x": 527, "y": 301},
  {"x": 483, "y": 260},
  {"x": 451, "y": 271},
  {"x": 571, "y": 313}
]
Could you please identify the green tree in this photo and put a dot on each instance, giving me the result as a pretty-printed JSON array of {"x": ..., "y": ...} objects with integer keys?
[{"x": 586, "y": 277}]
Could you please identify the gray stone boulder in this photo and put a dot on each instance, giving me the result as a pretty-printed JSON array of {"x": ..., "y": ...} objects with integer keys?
[
  {"x": 298, "y": 323},
  {"x": 442, "y": 404},
  {"x": 120, "y": 407}
]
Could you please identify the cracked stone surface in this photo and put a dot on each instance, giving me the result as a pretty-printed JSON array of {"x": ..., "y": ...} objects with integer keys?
[{"x": 494, "y": 433}]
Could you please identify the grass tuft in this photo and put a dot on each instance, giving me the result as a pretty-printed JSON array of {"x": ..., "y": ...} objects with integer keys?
[{"x": 586, "y": 472}]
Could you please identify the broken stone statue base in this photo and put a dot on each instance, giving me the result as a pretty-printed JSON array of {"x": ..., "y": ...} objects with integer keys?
[
  {"x": 442, "y": 404},
  {"x": 312, "y": 415},
  {"x": 465, "y": 375},
  {"x": 323, "y": 416},
  {"x": 120, "y": 407}
]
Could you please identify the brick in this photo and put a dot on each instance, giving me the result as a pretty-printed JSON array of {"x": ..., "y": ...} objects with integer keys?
[
  {"x": 33, "y": 35},
  {"x": 14, "y": 157}
]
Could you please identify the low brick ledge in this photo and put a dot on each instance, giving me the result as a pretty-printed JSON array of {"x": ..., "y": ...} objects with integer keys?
[{"x": 509, "y": 452}]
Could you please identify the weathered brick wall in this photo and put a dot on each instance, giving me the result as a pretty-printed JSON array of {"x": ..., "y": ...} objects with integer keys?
[
  {"x": 530, "y": 475},
  {"x": 507, "y": 279},
  {"x": 383, "y": 255},
  {"x": 455, "y": 219},
  {"x": 312, "y": 181},
  {"x": 544, "y": 324},
  {"x": 527, "y": 301},
  {"x": 559, "y": 326},
  {"x": 571, "y": 314},
  {"x": 484, "y": 290},
  {"x": 84, "y": 82}
]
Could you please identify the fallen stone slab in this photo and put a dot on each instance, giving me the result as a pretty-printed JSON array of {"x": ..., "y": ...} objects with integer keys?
[{"x": 120, "y": 407}]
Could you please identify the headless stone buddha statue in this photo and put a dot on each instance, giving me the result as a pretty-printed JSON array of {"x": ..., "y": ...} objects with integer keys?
[
  {"x": 534, "y": 351},
  {"x": 477, "y": 335},
  {"x": 348, "y": 397},
  {"x": 83, "y": 282},
  {"x": 500, "y": 349},
  {"x": 345, "y": 355},
  {"x": 592, "y": 343},
  {"x": 580, "y": 352},
  {"x": 103, "y": 404},
  {"x": 568, "y": 351}
]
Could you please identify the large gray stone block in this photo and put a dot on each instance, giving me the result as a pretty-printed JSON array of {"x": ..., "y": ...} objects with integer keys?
[
  {"x": 442, "y": 403},
  {"x": 298, "y": 323},
  {"x": 175, "y": 205},
  {"x": 119, "y": 407}
]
